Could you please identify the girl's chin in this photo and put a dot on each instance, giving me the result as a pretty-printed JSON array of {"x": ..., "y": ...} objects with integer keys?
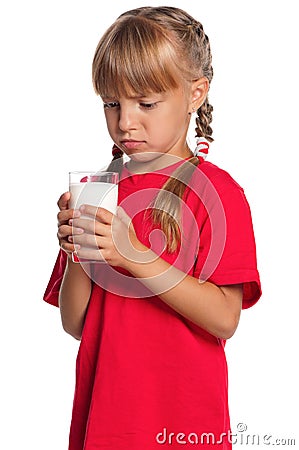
[
  {"x": 150, "y": 161},
  {"x": 144, "y": 156}
]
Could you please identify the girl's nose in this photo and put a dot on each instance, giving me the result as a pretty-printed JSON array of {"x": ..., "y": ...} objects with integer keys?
[{"x": 127, "y": 119}]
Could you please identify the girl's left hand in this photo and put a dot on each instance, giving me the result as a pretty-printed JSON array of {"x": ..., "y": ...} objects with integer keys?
[{"x": 106, "y": 237}]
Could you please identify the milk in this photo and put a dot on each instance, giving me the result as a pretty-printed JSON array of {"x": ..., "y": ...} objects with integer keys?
[{"x": 98, "y": 194}]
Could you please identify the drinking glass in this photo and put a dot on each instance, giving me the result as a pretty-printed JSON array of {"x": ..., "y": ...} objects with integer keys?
[{"x": 98, "y": 189}]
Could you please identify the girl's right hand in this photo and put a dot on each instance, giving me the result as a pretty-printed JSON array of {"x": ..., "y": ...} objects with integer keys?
[{"x": 65, "y": 228}]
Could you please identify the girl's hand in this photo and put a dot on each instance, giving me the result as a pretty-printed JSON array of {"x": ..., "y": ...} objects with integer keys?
[
  {"x": 65, "y": 228},
  {"x": 107, "y": 237}
]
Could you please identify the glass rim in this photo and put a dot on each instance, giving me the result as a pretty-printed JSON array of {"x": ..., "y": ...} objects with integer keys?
[{"x": 92, "y": 172}]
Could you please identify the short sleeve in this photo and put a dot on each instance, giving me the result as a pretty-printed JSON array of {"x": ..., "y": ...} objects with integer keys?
[
  {"x": 231, "y": 231},
  {"x": 52, "y": 291}
]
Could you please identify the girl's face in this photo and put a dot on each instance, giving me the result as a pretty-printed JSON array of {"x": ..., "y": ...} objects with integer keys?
[{"x": 145, "y": 127}]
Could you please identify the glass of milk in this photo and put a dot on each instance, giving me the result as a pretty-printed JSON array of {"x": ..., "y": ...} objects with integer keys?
[
  {"x": 98, "y": 189},
  {"x": 94, "y": 188}
]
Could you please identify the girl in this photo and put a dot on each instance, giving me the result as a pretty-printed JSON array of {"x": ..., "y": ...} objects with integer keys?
[{"x": 179, "y": 255}]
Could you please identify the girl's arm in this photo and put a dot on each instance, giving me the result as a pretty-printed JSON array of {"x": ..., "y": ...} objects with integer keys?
[
  {"x": 76, "y": 286},
  {"x": 214, "y": 308},
  {"x": 74, "y": 297}
]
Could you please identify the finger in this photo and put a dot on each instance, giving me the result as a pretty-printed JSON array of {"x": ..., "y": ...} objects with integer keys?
[
  {"x": 92, "y": 226},
  {"x": 63, "y": 201},
  {"x": 69, "y": 247},
  {"x": 90, "y": 241},
  {"x": 123, "y": 216},
  {"x": 65, "y": 215},
  {"x": 64, "y": 231},
  {"x": 102, "y": 214},
  {"x": 125, "y": 219},
  {"x": 67, "y": 230},
  {"x": 90, "y": 254}
]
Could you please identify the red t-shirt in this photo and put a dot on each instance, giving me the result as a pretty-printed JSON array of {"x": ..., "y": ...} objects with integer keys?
[{"x": 146, "y": 377}]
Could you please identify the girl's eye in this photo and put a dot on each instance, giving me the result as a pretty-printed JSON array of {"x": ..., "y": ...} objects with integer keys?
[
  {"x": 111, "y": 105},
  {"x": 144, "y": 105},
  {"x": 148, "y": 105}
]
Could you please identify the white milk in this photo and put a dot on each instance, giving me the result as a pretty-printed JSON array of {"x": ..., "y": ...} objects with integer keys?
[{"x": 98, "y": 194}]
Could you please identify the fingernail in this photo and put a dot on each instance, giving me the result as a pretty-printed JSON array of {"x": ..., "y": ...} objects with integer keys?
[
  {"x": 71, "y": 222},
  {"x": 76, "y": 213}
]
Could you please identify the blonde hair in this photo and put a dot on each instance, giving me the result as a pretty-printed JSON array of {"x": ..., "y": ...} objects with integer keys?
[{"x": 155, "y": 49}]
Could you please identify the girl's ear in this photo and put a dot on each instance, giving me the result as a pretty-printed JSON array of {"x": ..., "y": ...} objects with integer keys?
[{"x": 199, "y": 92}]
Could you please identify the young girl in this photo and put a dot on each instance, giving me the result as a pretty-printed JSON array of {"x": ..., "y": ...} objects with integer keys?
[{"x": 178, "y": 258}]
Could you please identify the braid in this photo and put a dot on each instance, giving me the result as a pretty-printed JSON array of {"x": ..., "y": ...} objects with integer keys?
[
  {"x": 167, "y": 207},
  {"x": 204, "y": 113},
  {"x": 203, "y": 120},
  {"x": 117, "y": 162}
]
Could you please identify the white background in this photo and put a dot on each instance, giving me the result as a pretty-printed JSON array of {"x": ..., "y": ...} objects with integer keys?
[{"x": 52, "y": 122}]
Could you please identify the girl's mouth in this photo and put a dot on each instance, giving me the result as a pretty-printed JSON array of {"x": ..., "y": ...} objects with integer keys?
[{"x": 131, "y": 144}]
